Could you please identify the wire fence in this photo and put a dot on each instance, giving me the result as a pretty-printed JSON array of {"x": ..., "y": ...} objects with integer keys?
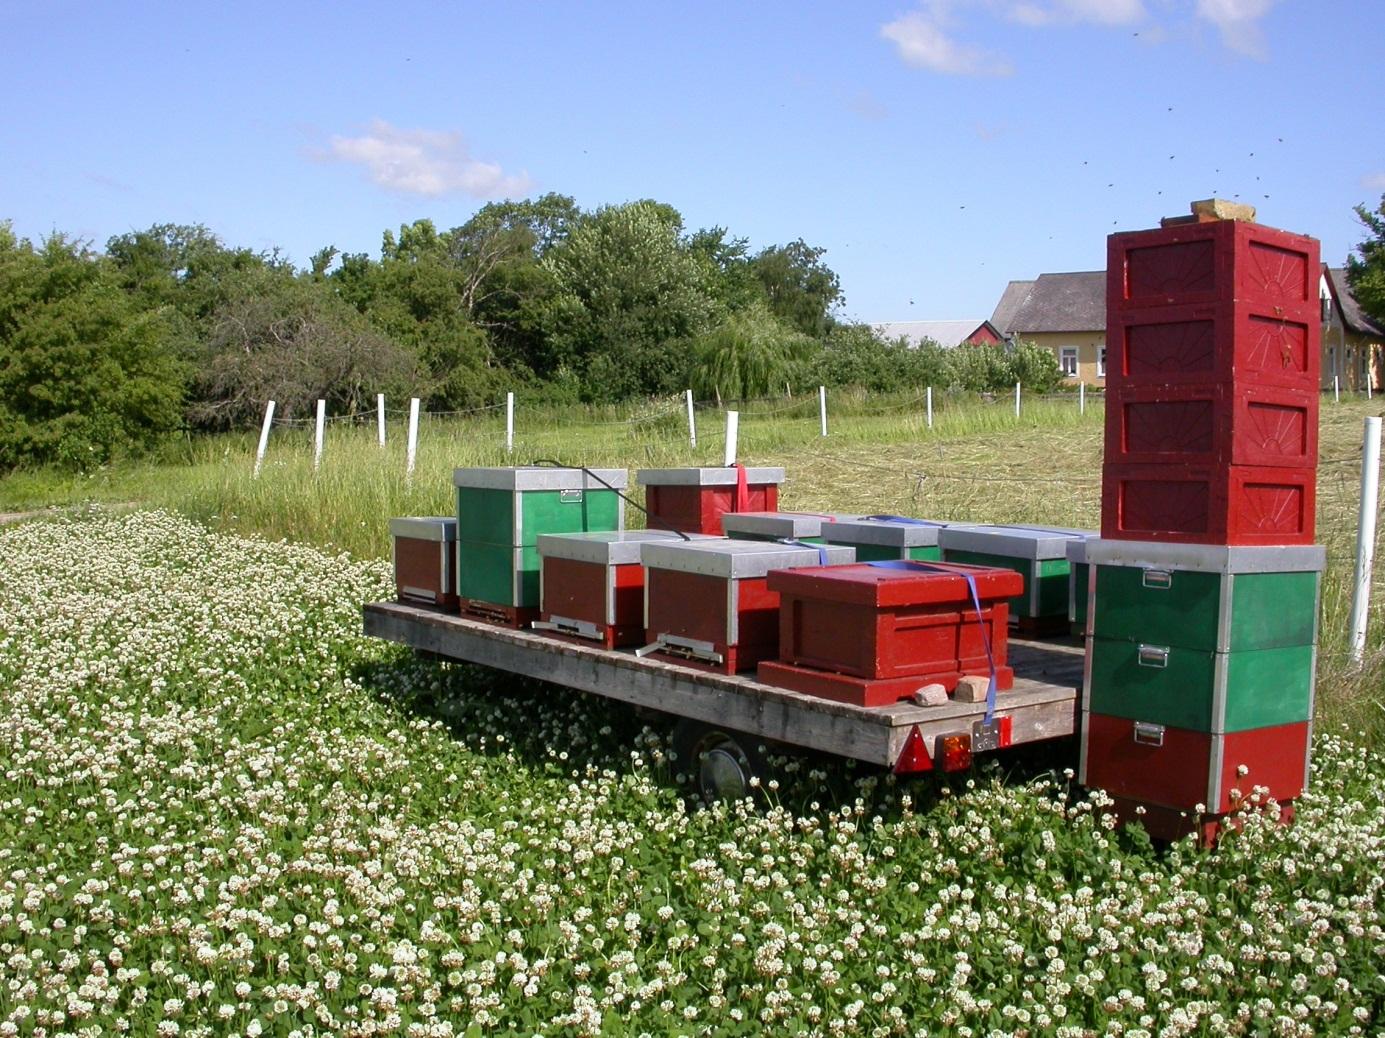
[{"x": 679, "y": 419}]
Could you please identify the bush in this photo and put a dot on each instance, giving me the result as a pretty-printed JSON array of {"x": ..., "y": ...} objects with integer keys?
[
  {"x": 85, "y": 376},
  {"x": 855, "y": 356}
]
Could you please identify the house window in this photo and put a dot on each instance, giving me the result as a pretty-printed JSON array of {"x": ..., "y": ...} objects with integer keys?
[
  {"x": 1067, "y": 360},
  {"x": 1101, "y": 362}
]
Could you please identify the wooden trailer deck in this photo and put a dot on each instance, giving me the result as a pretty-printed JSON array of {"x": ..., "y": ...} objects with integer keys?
[{"x": 1042, "y": 704}]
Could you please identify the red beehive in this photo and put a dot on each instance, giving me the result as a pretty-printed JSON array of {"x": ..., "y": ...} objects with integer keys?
[
  {"x": 1180, "y": 769},
  {"x": 424, "y": 550},
  {"x": 706, "y": 603},
  {"x": 1212, "y": 424},
  {"x": 591, "y": 585},
  {"x": 1208, "y": 504},
  {"x": 693, "y": 500},
  {"x": 1268, "y": 270},
  {"x": 872, "y": 634},
  {"x": 1226, "y": 341}
]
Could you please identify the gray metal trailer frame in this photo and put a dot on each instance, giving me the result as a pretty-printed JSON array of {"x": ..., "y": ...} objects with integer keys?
[{"x": 1042, "y": 704}]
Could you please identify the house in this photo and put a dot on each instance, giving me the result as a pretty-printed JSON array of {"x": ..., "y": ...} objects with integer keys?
[
  {"x": 1352, "y": 343},
  {"x": 947, "y": 334},
  {"x": 1065, "y": 313}
]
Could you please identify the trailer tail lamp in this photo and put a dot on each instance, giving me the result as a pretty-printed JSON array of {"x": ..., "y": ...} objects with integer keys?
[
  {"x": 914, "y": 757},
  {"x": 956, "y": 751}
]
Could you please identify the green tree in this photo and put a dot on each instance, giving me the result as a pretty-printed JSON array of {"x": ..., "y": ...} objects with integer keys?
[
  {"x": 184, "y": 266},
  {"x": 86, "y": 373},
  {"x": 629, "y": 294},
  {"x": 1366, "y": 274},
  {"x": 749, "y": 354},
  {"x": 802, "y": 290},
  {"x": 414, "y": 297},
  {"x": 292, "y": 340},
  {"x": 1033, "y": 366}
]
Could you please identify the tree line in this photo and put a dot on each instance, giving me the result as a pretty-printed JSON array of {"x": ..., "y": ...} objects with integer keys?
[{"x": 105, "y": 353}]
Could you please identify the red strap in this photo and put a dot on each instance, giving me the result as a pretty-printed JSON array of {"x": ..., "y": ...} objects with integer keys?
[{"x": 742, "y": 489}]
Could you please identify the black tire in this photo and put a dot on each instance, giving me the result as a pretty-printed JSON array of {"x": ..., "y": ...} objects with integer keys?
[{"x": 721, "y": 762}]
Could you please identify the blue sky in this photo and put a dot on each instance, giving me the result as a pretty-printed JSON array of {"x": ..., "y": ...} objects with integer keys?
[{"x": 935, "y": 149}]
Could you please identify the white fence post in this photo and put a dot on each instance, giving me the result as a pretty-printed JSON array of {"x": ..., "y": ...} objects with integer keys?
[
  {"x": 1365, "y": 537},
  {"x": 1017, "y": 399},
  {"x": 822, "y": 407},
  {"x": 411, "y": 451},
  {"x": 733, "y": 426},
  {"x": 509, "y": 423},
  {"x": 692, "y": 423},
  {"x": 928, "y": 397},
  {"x": 380, "y": 417},
  {"x": 1081, "y": 398},
  {"x": 264, "y": 437},
  {"x": 317, "y": 437},
  {"x": 1336, "y": 389}
]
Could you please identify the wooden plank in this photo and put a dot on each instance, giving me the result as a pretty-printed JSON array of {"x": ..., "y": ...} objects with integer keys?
[{"x": 1039, "y": 709}]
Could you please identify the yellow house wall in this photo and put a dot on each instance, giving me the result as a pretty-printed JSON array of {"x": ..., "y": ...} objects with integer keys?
[
  {"x": 1349, "y": 353},
  {"x": 1086, "y": 343}
]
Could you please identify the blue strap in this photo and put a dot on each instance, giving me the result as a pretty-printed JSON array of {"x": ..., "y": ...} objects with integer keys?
[
  {"x": 821, "y": 549},
  {"x": 932, "y": 567}
]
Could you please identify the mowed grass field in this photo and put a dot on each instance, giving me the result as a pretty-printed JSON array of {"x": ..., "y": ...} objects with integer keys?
[{"x": 226, "y": 812}]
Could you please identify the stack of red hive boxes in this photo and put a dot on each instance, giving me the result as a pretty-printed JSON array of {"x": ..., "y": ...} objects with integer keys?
[
  {"x": 1212, "y": 386},
  {"x": 1197, "y": 689}
]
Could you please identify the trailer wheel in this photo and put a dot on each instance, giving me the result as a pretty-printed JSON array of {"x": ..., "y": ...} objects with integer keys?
[{"x": 722, "y": 763}]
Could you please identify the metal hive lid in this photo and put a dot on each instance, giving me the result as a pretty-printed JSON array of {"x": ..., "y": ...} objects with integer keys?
[
  {"x": 604, "y": 547},
  {"x": 425, "y": 528},
  {"x": 711, "y": 476},
  {"x": 538, "y": 477},
  {"x": 732, "y": 559}
]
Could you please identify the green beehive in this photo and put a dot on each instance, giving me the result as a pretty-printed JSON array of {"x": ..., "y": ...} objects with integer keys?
[
  {"x": 1037, "y": 553},
  {"x": 501, "y": 512},
  {"x": 887, "y": 538},
  {"x": 1211, "y": 638}
]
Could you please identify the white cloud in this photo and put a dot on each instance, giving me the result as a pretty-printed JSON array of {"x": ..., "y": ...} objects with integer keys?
[
  {"x": 920, "y": 41},
  {"x": 1238, "y": 21},
  {"x": 1373, "y": 181},
  {"x": 425, "y": 162},
  {"x": 1100, "y": 12}
]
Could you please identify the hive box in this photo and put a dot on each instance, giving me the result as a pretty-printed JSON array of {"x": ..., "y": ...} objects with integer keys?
[
  {"x": 1212, "y": 424},
  {"x": 424, "y": 551},
  {"x": 871, "y": 634},
  {"x": 694, "y": 499},
  {"x": 1224, "y": 343},
  {"x": 1180, "y": 769},
  {"x": 1275, "y": 272},
  {"x": 1037, "y": 553},
  {"x": 1205, "y": 638},
  {"x": 500, "y": 514},
  {"x": 707, "y": 603},
  {"x": 592, "y": 584},
  {"x": 779, "y": 526},
  {"x": 1208, "y": 504},
  {"x": 880, "y": 539}
]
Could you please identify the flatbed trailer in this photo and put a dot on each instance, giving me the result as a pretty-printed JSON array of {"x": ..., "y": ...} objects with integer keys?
[{"x": 722, "y": 717}]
